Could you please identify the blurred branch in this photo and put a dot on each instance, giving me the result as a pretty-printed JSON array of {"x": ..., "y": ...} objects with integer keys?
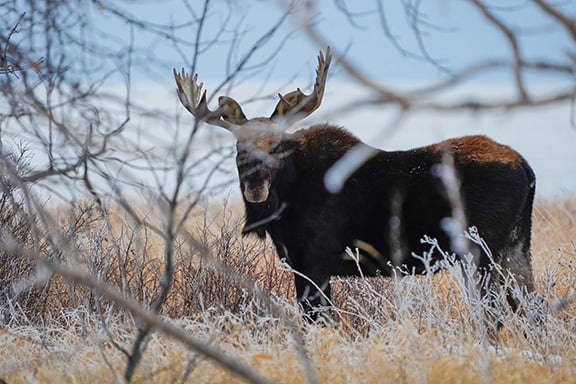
[
  {"x": 419, "y": 98},
  {"x": 566, "y": 21},
  {"x": 475, "y": 106},
  {"x": 5, "y": 66},
  {"x": 511, "y": 38}
]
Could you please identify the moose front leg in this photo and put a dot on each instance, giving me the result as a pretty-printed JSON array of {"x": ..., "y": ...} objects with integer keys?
[{"x": 313, "y": 294}]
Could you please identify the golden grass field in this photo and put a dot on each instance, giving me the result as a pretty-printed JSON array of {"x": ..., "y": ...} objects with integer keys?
[{"x": 413, "y": 330}]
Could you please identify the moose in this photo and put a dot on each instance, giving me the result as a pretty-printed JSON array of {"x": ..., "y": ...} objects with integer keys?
[{"x": 385, "y": 205}]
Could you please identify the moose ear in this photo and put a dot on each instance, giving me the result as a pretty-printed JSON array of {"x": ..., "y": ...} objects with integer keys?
[
  {"x": 231, "y": 110},
  {"x": 289, "y": 102},
  {"x": 298, "y": 103}
]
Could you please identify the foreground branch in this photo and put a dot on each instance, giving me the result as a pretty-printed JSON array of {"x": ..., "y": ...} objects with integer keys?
[
  {"x": 519, "y": 65},
  {"x": 151, "y": 320}
]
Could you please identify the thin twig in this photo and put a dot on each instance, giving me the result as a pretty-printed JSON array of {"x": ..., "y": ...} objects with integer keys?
[
  {"x": 511, "y": 37},
  {"x": 566, "y": 21}
]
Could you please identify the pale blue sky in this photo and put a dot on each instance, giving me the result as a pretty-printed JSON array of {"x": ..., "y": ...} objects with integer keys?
[{"x": 458, "y": 35}]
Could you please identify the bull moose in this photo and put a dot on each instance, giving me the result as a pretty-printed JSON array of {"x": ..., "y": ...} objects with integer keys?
[{"x": 385, "y": 205}]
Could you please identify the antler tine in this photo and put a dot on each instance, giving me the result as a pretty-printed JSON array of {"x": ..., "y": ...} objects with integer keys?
[
  {"x": 322, "y": 75},
  {"x": 194, "y": 100},
  {"x": 298, "y": 103}
]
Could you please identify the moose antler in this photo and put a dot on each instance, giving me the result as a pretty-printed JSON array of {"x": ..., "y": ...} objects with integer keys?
[
  {"x": 189, "y": 92},
  {"x": 229, "y": 114},
  {"x": 298, "y": 103}
]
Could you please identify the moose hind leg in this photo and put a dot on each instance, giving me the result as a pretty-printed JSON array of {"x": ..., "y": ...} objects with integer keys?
[{"x": 518, "y": 280}]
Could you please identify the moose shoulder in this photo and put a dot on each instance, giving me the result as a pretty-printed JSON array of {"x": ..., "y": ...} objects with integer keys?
[{"x": 385, "y": 207}]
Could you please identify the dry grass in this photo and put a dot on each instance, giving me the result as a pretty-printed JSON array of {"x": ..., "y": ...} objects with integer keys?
[{"x": 418, "y": 329}]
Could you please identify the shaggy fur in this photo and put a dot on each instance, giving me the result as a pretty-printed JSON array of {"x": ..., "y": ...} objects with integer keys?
[{"x": 388, "y": 204}]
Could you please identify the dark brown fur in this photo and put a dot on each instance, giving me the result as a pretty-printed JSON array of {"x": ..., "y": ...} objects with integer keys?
[{"x": 389, "y": 203}]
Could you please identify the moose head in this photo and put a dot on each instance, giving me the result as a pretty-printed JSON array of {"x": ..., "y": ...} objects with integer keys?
[{"x": 257, "y": 138}]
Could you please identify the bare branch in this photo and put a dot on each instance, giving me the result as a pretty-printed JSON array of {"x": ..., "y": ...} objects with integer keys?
[
  {"x": 568, "y": 23},
  {"x": 511, "y": 37},
  {"x": 500, "y": 105},
  {"x": 411, "y": 100},
  {"x": 5, "y": 66},
  {"x": 385, "y": 95}
]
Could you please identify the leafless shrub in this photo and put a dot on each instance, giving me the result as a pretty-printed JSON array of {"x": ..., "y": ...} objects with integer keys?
[
  {"x": 201, "y": 285},
  {"x": 21, "y": 298}
]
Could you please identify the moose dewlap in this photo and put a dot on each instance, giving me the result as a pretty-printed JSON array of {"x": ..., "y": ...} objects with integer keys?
[{"x": 384, "y": 208}]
